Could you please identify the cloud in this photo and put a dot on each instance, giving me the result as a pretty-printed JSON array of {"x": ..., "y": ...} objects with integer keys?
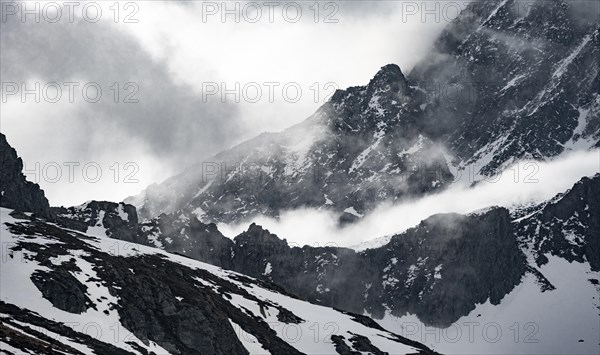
[
  {"x": 523, "y": 183},
  {"x": 169, "y": 118},
  {"x": 169, "y": 127}
]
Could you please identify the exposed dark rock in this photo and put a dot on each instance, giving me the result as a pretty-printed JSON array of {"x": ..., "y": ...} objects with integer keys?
[
  {"x": 568, "y": 226},
  {"x": 288, "y": 317},
  {"x": 183, "y": 233},
  {"x": 119, "y": 219},
  {"x": 363, "y": 344},
  {"x": 62, "y": 290},
  {"x": 341, "y": 347},
  {"x": 16, "y": 192}
]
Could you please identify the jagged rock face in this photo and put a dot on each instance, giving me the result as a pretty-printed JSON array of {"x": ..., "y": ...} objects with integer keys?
[
  {"x": 506, "y": 80},
  {"x": 567, "y": 226},
  {"x": 62, "y": 289},
  {"x": 184, "y": 234},
  {"x": 119, "y": 220},
  {"x": 144, "y": 301},
  {"x": 446, "y": 265},
  {"x": 529, "y": 73},
  {"x": 326, "y": 275},
  {"x": 15, "y": 191},
  {"x": 180, "y": 232}
]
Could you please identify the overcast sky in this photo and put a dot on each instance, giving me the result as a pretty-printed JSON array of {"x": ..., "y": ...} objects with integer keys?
[{"x": 162, "y": 68}]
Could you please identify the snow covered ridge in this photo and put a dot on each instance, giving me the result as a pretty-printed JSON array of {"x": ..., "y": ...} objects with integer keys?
[{"x": 75, "y": 293}]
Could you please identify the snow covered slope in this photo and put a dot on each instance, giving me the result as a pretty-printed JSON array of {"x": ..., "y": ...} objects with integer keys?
[
  {"x": 529, "y": 320},
  {"x": 63, "y": 291}
]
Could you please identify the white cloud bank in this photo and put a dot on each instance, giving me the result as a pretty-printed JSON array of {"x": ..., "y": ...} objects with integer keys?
[{"x": 535, "y": 182}]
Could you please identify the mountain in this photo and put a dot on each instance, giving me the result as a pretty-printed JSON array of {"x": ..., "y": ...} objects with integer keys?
[
  {"x": 503, "y": 82},
  {"x": 450, "y": 270},
  {"x": 69, "y": 292},
  {"x": 566, "y": 226},
  {"x": 359, "y": 148},
  {"x": 116, "y": 220}
]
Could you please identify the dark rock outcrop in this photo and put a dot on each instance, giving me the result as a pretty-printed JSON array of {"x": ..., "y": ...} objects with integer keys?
[
  {"x": 118, "y": 219},
  {"x": 62, "y": 290},
  {"x": 184, "y": 234},
  {"x": 567, "y": 226},
  {"x": 15, "y": 191},
  {"x": 446, "y": 265}
]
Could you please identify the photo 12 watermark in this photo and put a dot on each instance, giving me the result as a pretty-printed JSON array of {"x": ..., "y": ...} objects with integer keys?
[
  {"x": 269, "y": 11},
  {"x": 472, "y": 332},
  {"x": 88, "y": 172},
  {"x": 70, "y": 91},
  {"x": 69, "y": 11},
  {"x": 267, "y": 91}
]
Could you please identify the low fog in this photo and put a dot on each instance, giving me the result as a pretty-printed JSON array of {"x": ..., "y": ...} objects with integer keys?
[{"x": 526, "y": 182}]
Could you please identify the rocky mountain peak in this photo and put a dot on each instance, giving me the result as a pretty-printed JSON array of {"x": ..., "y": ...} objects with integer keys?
[
  {"x": 389, "y": 74},
  {"x": 389, "y": 80},
  {"x": 256, "y": 234}
]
